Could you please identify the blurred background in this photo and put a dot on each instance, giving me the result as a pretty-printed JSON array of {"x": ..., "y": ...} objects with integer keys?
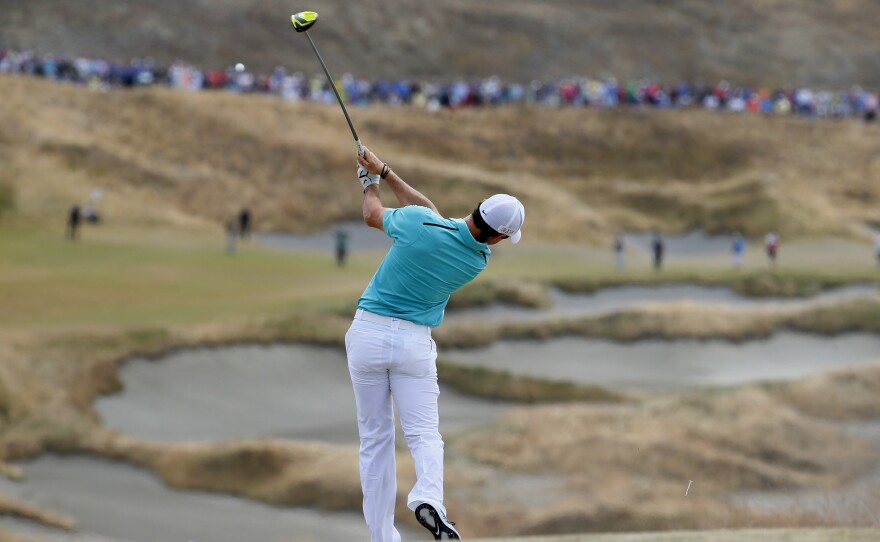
[{"x": 687, "y": 339}]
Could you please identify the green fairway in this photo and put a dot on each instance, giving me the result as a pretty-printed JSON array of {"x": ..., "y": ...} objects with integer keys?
[
  {"x": 124, "y": 279},
  {"x": 128, "y": 278}
]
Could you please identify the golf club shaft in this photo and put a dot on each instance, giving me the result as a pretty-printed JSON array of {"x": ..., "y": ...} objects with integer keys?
[{"x": 336, "y": 92}]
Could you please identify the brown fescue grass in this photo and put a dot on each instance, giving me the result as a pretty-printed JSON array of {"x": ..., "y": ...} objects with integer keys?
[
  {"x": 841, "y": 395},
  {"x": 15, "y": 537},
  {"x": 716, "y": 535},
  {"x": 279, "y": 472},
  {"x": 727, "y": 441},
  {"x": 628, "y": 468},
  {"x": 638, "y": 453},
  {"x": 655, "y": 514},
  {"x": 504, "y": 386},
  {"x": 802, "y": 282},
  {"x": 193, "y": 159},
  {"x": 680, "y": 320},
  {"x": 509, "y": 292},
  {"x": 22, "y": 510},
  {"x": 860, "y": 315}
]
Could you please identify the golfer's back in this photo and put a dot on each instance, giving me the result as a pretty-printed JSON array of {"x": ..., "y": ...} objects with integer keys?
[{"x": 431, "y": 257}]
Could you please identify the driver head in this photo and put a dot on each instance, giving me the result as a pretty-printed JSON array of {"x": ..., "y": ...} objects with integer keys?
[{"x": 303, "y": 20}]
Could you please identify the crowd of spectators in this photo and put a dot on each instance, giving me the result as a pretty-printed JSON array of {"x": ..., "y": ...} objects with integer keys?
[{"x": 575, "y": 91}]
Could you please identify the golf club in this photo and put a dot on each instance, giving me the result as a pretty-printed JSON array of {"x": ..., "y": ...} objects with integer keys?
[{"x": 302, "y": 21}]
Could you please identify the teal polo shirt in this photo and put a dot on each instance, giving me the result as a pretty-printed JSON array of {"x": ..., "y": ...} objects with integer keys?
[{"x": 430, "y": 258}]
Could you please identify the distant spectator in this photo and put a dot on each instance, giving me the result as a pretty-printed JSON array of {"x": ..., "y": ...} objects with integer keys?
[
  {"x": 658, "y": 249},
  {"x": 737, "y": 249},
  {"x": 91, "y": 210},
  {"x": 244, "y": 223},
  {"x": 90, "y": 214},
  {"x": 99, "y": 74},
  {"x": 619, "y": 253},
  {"x": 871, "y": 106},
  {"x": 771, "y": 243},
  {"x": 341, "y": 247},
  {"x": 73, "y": 221}
]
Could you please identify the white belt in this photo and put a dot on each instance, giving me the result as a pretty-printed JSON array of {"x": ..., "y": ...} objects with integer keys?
[{"x": 390, "y": 321}]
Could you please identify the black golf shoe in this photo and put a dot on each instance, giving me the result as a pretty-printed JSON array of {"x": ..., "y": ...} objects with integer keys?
[{"x": 436, "y": 522}]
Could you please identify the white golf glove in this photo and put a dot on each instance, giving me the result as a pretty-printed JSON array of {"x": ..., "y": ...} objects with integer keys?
[{"x": 366, "y": 178}]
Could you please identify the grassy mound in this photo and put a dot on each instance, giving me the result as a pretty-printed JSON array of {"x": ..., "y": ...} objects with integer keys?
[{"x": 193, "y": 159}]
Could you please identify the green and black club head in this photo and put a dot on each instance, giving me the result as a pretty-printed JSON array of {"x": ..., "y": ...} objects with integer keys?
[{"x": 303, "y": 20}]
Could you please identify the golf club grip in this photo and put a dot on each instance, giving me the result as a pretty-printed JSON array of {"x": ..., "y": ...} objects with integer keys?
[{"x": 336, "y": 92}]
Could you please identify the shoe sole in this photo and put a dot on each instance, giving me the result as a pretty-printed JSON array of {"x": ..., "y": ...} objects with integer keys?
[{"x": 428, "y": 518}]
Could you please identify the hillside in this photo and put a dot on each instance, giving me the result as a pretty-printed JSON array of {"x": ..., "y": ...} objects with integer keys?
[
  {"x": 772, "y": 42},
  {"x": 165, "y": 156}
]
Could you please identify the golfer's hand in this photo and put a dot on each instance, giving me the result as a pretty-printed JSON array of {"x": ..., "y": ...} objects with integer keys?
[
  {"x": 370, "y": 161},
  {"x": 366, "y": 178}
]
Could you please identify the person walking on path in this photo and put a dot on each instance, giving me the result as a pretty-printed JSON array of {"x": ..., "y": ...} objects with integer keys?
[
  {"x": 244, "y": 223},
  {"x": 619, "y": 254},
  {"x": 737, "y": 249},
  {"x": 391, "y": 355},
  {"x": 74, "y": 217},
  {"x": 658, "y": 248},
  {"x": 341, "y": 247},
  {"x": 771, "y": 244}
]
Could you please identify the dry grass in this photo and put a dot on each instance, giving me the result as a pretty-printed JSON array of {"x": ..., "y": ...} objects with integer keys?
[
  {"x": 727, "y": 535},
  {"x": 627, "y": 468},
  {"x": 639, "y": 454},
  {"x": 279, "y": 472},
  {"x": 191, "y": 160},
  {"x": 509, "y": 292},
  {"x": 15, "y": 537},
  {"x": 18, "y": 509},
  {"x": 842, "y": 395},
  {"x": 804, "y": 281},
  {"x": 723, "y": 441},
  {"x": 678, "y": 320},
  {"x": 504, "y": 386}
]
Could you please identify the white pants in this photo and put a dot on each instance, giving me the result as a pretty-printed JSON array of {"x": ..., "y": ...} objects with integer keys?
[{"x": 393, "y": 358}]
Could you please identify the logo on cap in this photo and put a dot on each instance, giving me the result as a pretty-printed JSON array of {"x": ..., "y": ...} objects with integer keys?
[{"x": 504, "y": 214}]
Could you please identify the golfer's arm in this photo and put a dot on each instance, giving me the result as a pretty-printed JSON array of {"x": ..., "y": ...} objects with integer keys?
[
  {"x": 406, "y": 194},
  {"x": 372, "y": 208}
]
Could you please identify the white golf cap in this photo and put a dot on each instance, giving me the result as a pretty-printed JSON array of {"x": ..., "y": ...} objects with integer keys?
[{"x": 504, "y": 214}]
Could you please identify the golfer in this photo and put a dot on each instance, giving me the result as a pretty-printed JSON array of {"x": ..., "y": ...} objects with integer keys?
[{"x": 390, "y": 351}]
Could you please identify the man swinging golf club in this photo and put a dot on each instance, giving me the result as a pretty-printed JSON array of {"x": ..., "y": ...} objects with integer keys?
[{"x": 390, "y": 351}]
